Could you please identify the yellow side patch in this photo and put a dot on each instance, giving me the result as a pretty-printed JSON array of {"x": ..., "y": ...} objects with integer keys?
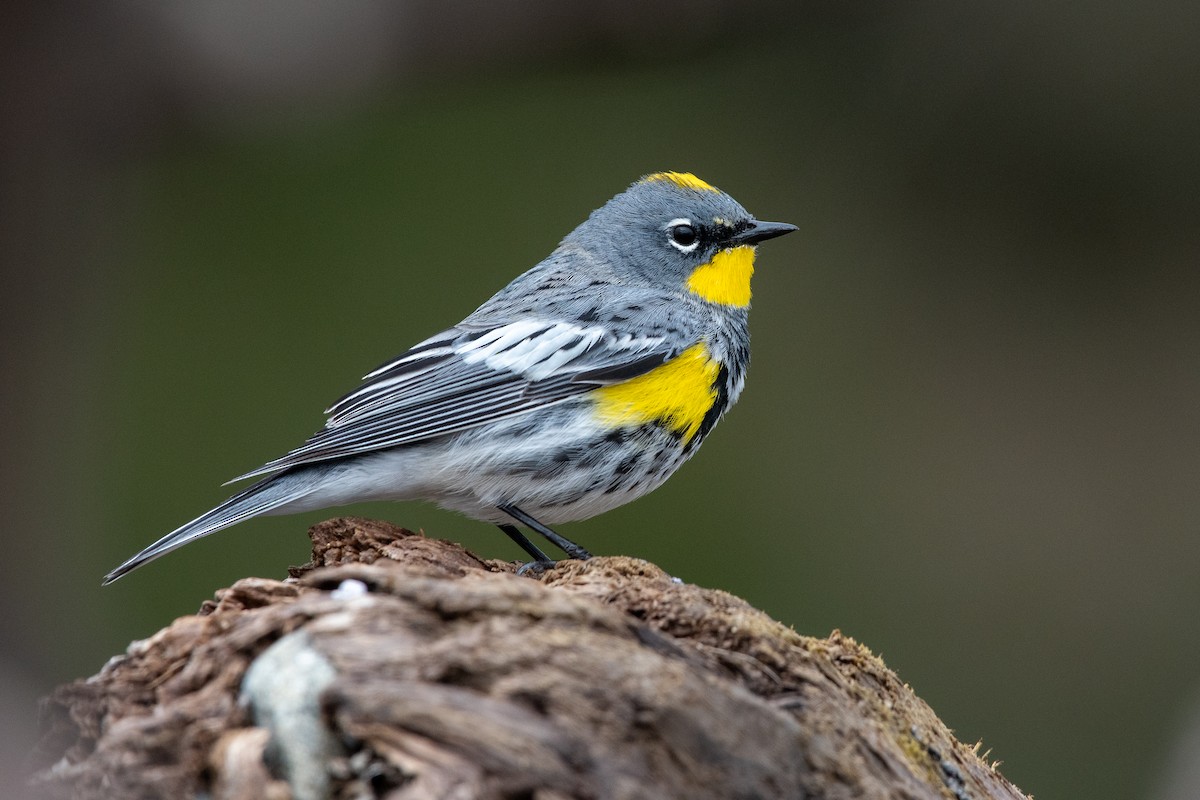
[
  {"x": 684, "y": 180},
  {"x": 679, "y": 393},
  {"x": 725, "y": 279}
]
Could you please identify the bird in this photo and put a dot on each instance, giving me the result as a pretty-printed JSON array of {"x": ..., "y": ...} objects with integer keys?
[{"x": 581, "y": 385}]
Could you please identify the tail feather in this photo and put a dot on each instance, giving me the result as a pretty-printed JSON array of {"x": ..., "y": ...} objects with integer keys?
[{"x": 260, "y": 498}]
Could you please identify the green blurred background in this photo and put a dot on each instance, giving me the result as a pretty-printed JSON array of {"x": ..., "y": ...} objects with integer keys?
[{"x": 970, "y": 434}]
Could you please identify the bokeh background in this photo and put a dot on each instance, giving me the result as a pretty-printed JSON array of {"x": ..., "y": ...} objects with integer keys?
[{"x": 970, "y": 435}]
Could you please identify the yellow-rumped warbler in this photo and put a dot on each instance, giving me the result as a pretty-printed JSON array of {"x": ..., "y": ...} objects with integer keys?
[{"x": 580, "y": 386}]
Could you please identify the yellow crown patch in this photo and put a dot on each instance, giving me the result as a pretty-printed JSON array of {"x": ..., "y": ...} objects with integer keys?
[{"x": 684, "y": 180}]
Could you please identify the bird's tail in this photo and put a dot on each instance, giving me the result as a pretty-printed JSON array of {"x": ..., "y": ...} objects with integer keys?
[{"x": 263, "y": 497}]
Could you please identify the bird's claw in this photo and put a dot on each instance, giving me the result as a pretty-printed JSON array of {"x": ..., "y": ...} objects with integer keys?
[{"x": 536, "y": 568}]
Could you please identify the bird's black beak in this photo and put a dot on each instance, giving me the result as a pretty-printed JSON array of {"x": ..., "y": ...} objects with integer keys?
[{"x": 761, "y": 231}]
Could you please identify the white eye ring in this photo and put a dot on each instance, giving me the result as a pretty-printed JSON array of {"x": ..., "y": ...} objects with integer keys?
[{"x": 682, "y": 222}]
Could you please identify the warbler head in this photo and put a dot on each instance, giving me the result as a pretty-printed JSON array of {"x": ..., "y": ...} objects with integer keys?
[{"x": 673, "y": 230}]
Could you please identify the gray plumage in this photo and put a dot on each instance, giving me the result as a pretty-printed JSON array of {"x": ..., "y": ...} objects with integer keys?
[{"x": 500, "y": 410}]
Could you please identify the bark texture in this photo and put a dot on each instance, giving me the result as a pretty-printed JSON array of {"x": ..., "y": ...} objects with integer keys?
[{"x": 396, "y": 666}]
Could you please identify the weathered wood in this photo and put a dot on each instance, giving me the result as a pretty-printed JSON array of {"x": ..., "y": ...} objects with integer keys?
[{"x": 452, "y": 677}]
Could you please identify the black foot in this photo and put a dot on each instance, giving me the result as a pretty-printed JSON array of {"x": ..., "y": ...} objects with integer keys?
[
  {"x": 536, "y": 568},
  {"x": 561, "y": 542}
]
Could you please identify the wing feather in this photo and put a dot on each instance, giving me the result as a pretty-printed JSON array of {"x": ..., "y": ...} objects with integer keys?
[{"x": 461, "y": 379}]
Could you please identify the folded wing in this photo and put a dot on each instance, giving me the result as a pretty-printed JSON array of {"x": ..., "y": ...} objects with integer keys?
[{"x": 466, "y": 377}]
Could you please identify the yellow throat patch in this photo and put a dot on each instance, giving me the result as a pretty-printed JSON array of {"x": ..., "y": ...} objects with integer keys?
[
  {"x": 725, "y": 279},
  {"x": 679, "y": 394},
  {"x": 684, "y": 180}
]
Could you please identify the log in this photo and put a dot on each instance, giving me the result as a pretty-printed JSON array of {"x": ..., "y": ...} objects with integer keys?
[{"x": 396, "y": 666}]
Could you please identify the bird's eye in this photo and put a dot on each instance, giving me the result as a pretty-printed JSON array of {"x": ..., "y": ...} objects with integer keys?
[{"x": 682, "y": 235}]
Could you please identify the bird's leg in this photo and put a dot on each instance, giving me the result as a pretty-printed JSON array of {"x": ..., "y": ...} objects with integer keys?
[
  {"x": 529, "y": 547},
  {"x": 561, "y": 542}
]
